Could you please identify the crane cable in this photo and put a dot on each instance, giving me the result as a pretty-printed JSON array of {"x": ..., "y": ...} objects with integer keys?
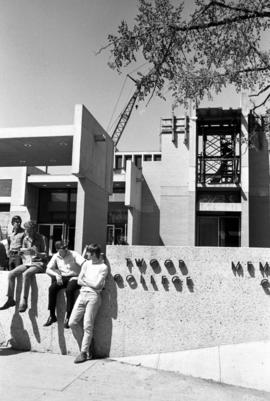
[
  {"x": 110, "y": 124},
  {"x": 116, "y": 104}
]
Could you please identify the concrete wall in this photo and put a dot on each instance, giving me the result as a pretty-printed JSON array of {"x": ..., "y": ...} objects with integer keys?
[
  {"x": 259, "y": 197},
  {"x": 92, "y": 161},
  {"x": 174, "y": 197},
  {"x": 150, "y": 217},
  {"x": 216, "y": 305}
]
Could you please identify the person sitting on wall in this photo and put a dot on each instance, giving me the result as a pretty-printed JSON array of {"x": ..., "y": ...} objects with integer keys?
[
  {"x": 15, "y": 240},
  {"x": 64, "y": 268},
  {"x": 34, "y": 253},
  {"x": 92, "y": 279}
]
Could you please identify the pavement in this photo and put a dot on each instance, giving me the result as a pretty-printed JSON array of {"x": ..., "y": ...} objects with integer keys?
[{"x": 32, "y": 376}]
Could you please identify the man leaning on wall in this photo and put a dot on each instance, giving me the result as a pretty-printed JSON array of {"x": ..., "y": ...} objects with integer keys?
[{"x": 34, "y": 254}]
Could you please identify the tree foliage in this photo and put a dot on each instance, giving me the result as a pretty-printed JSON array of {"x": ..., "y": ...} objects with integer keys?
[{"x": 194, "y": 57}]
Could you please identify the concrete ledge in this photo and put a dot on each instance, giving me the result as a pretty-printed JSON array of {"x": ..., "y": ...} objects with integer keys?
[{"x": 245, "y": 365}]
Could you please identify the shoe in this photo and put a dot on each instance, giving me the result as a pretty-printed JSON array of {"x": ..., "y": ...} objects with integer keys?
[
  {"x": 82, "y": 357},
  {"x": 22, "y": 307},
  {"x": 10, "y": 302},
  {"x": 66, "y": 325},
  {"x": 50, "y": 321}
]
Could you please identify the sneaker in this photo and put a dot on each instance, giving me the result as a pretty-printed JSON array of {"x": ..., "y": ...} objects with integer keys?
[
  {"x": 82, "y": 357},
  {"x": 50, "y": 321},
  {"x": 10, "y": 302},
  {"x": 23, "y": 306}
]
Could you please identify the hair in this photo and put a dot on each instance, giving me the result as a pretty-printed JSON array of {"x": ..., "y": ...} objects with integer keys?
[
  {"x": 16, "y": 219},
  {"x": 94, "y": 249},
  {"x": 60, "y": 245},
  {"x": 30, "y": 224}
]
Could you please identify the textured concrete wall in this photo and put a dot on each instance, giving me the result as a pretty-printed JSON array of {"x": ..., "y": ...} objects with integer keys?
[
  {"x": 216, "y": 305},
  {"x": 174, "y": 197}
]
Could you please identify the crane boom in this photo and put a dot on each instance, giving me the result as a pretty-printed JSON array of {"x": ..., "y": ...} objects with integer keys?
[{"x": 125, "y": 115}]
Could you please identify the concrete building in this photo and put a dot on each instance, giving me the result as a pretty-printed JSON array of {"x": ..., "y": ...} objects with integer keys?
[
  {"x": 60, "y": 176},
  {"x": 206, "y": 186}
]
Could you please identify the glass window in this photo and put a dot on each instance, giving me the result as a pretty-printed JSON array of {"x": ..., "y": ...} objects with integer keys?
[
  {"x": 138, "y": 161},
  {"x": 118, "y": 162},
  {"x": 157, "y": 158},
  {"x": 147, "y": 158},
  {"x": 218, "y": 230}
]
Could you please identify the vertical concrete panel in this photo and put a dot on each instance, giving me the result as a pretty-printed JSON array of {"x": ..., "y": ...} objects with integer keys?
[
  {"x": 174, "y": 203},
  {"x": 91, "y": 214},
  {"x": 92, "y": 161}
]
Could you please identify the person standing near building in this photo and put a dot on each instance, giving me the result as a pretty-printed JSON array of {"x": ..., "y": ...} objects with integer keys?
[
  {"x": 64, "y": 268},
  {"x": 15, "y": 241},
  {"x": 34, "y": 253},
  {"x": 92, "y": 279}
]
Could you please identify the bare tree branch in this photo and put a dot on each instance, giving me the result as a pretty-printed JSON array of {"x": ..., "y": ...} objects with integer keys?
[
  {"x": 225, "y": 21},
  {"x": 261, "y": 91},
  {"x": 259, "y": 105}
]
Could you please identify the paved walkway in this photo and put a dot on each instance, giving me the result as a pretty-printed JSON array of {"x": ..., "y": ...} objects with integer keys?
[{"x": 29, "y": 376}]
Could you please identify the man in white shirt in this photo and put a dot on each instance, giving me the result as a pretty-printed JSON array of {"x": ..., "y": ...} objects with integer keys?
[
  {"x": 92, "y": 279},
  {"x": 64, "y": 268}
]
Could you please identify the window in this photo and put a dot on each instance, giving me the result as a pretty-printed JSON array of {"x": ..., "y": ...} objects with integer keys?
[
  {"x": 138, "y": 161},
  {"x": 147, "y": 158},
  {"x": 129, "y": 157},
  {"x": 218, "y": 230},
  {"x": 118, "y": 162},
  {"x": 157, "y": 158},
  {"x": 119, "y": 187}
]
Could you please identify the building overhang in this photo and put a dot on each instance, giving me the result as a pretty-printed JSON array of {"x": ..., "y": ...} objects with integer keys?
[
  {"x": 53, "y": 181},
  {"x": 36, "y": 146}
]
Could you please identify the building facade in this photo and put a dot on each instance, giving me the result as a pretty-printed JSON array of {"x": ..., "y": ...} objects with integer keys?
[{"x": 207, "y": 186}]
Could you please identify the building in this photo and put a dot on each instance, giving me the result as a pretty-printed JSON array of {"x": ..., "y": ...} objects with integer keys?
[
  {"x": 60, "y": 176},
  {"x": 207, "y": 186}
]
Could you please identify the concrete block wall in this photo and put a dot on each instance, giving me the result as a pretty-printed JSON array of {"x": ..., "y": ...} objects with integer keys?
[
  {"x": 216, "y": 306},
  {"x": 174, "y": 196}
]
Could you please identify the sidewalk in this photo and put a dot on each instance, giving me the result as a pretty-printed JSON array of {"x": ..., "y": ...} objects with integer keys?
[{"x": 28, "y": 376}]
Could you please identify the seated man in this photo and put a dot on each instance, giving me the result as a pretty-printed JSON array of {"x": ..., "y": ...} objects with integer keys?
[
  {"x": 92, "y": 279},
  {"x": 15, "y": 241},
  {"x": 34, "y": 257},
  {"x": 64, "y": 268}
]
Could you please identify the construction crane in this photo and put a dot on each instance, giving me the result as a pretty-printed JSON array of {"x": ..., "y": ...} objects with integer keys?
[{"x": 124, "y": 117}]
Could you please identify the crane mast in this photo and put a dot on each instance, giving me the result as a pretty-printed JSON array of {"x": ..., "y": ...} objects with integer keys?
[{"x": 125, "y": 115}]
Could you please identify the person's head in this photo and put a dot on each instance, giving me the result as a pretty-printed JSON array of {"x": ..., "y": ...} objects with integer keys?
[
  {"x": 93, "y": 250},
  {"x": 61, "y": 247},
  {"x": 16, "y": 221},
  {"x": 30, "y": 227}
]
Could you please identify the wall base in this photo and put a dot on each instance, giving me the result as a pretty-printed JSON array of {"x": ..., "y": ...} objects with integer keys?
[{"x": 245, "y": 365}]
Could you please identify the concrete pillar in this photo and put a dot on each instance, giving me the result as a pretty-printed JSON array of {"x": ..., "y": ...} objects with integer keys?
[
  {"x": 92, "y": 161},
  {"x": 192, "y": 174},
  {"x": 245, "y": 171}
]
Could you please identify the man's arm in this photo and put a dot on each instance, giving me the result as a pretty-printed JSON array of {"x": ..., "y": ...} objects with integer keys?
[
  {"x": 52, "y": 268},
  {"x": 99, "y": 282}
]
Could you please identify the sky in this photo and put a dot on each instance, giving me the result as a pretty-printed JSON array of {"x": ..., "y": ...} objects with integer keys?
[{"x": 48, "y": 63}]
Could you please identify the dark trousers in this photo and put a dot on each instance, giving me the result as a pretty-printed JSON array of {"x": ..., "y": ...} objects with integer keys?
[
  {"x": 71, "y": 287},
  {"x": 14, "y": 261}
]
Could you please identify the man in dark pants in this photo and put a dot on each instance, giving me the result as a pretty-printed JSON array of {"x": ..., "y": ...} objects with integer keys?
[
  {"x": 64, "y": 268},
  {"x": 15, "y": 241}
]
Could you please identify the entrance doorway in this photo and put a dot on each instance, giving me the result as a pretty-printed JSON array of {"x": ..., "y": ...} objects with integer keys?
[
  {"x": 218, "y": 230},
  {"x": 116, "y": 235},
  {"x": 56, "y": 215}
]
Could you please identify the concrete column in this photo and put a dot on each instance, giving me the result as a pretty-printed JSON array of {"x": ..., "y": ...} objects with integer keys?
[
  {"x": 245, "y": 171},
  {"x": 91, "y": 214},
  {"x": 192, "y": 174}
]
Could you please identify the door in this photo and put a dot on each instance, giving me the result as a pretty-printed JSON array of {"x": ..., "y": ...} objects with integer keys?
[{"x": 53, "y": 232}]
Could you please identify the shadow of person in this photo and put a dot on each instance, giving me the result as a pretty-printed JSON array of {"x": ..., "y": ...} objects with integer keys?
[
  {"x": 101, "y": 343},
  {"x": 20, "y": 339},
  {"x": 60, "y": 313},
  {"x": 33, "y": 312}
]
